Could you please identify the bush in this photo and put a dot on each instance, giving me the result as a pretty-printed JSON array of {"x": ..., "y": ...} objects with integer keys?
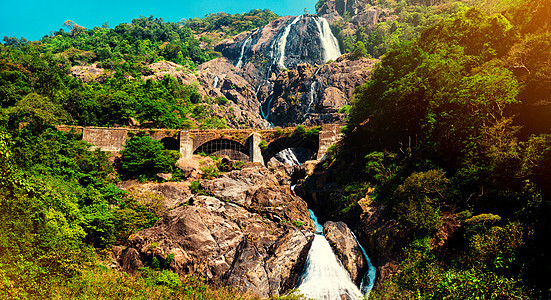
[
  {"x": 143, "y": 157},
  {"x": 418, "y": 199}
]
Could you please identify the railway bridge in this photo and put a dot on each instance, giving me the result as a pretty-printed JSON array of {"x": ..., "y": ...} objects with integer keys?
[{"x": 253, "y": 145}]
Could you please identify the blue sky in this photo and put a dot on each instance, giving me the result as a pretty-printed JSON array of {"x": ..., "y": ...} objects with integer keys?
[{"x": 33, "y": 19}]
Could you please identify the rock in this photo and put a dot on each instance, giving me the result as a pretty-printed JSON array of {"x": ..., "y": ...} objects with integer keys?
[
  {"x": 346, "y": 248},
  {"x": 218, "y": 78},
  {"x": 260, "y": 190},
  {"x": 130, "y": 260},
  {"x": 313, "y": 95},
  {"x": 287, "y": 257},
  {"x": 90, "y": 73},
  {"x": 244, "y": 237},
  {"x": 158, "y": 197},
  {"x": 165, "y": 176}
]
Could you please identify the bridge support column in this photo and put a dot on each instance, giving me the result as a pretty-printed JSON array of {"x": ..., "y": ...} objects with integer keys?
[
  {"x": 255, "y": 153},
  {"x": 330, "y": 134},
  {"x": 186, "y": 144}
]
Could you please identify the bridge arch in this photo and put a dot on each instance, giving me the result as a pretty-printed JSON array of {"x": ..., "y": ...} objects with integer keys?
[
  {"x": 296, "y": 141},
  {"x": 171, "y": 143},
  {"x": 224, "y": 147}
]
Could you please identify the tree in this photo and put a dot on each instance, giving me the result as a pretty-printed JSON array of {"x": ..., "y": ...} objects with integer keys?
[{"x": 143, "y": 157}]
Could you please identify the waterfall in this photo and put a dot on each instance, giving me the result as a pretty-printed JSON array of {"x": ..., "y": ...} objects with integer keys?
[
  {"x": 329, "y": 43},
  {"x": 311, "y": 94},
  {"x": 267, "y": 114},
  {"x": 368, "y": 281},
  {"x": 215, "y": 81},
  {"x": 311, "y": 97},
  {"x": 324, "y": 277},
  {"x": 282, "y": 42},
  {"x": 287, "y": 157},
  {"x": 247, "y": 41},
  {"x": 317, "y": 226}
]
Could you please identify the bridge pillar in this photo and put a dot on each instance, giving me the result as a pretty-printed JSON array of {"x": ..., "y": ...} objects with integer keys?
[
  {"x": 253, "y": 143},
  {"x": 330, "y": 134},
  {"x": 186, "y": 144}
]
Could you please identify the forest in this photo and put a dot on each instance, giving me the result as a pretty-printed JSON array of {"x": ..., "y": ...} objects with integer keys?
[
  {"x": 454, "y": 122},
  {"x": 454, "y": 126}
]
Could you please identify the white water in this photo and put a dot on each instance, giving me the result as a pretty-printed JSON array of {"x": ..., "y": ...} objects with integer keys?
[
  {"x": 215, "y": 81},
  {"x": 311, "y": 96},
  {"x": 329, "y": 43},
  {"x": 283, "y": 42},
  {"x": 247, "y": 41},
  {"x": 368, "y": 281},
  {"x": 324, "y": 277},
  {"x": 287, "y": 157}
]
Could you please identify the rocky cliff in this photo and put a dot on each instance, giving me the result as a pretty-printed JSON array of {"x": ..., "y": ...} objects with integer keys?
[
  {"x": 291, "y": 64},
  {"x": 286, "y": 73},
  {"x": 253, "y": 233},
  {"x": 313, "y": 95},
  {"x": 356, "y": 12}
]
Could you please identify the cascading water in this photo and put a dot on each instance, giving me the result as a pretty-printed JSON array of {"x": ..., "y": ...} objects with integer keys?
[
  {"x": 287, "y": 157},
  {"x": 324, "y": 277},
  {"x": 247, "y": 41},
  {"x": 312, "y": 93},
  {"x": 368, "y": 280},
  {"x": 215, "y": 81},
  {"x": 278, "y": 56},
  {"x": 282, "y": 43},
  {"x": 311, "y": 97},
  {"x": 329, "y": 43}
]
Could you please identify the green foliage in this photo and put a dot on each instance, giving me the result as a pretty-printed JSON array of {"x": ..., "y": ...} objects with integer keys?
[
  {"x": 298, "y": 224},
  {"x": 144, "y": 40},
  {"x": 441, "y": 128},
  {"x": 210, "y": 172},
  {"x": 143, "y": 157},
  {"x": 359, "y": 51},
  {"x": 417, "y": 201},
  {"x": 195, "y": 186},
  {"x": 410, "y": 19},
  {"x": 35, "y": 85},
  {"x": 380, "y": 166},
  {"x": 231, "y": 24},
  {"x": 299, "y": 131}
]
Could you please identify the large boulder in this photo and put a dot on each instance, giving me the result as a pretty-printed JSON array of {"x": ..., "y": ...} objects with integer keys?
[{"x": 347, "y": 249}]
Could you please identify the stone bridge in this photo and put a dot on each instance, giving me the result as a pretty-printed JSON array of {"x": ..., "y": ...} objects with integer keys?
[{"x": 253, "y": 145}]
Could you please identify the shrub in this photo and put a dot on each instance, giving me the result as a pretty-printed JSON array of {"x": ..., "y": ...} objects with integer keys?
[
  {"x": 143, "y": 157},
  {"x": 195, "y": 186},
  {"x": 210, "y": 172},
  {"x": 298, "y": 224},
  {"x": 418, "y": 199}
]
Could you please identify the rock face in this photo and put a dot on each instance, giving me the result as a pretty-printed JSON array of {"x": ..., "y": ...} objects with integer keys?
[
  {"x": 312, "y": 95},
  {"x": 360, "y": 12},
  {"x": 219, "y": 78},
  {"x": 90, "y": 73},
  {"x": 281, "y": 44},
  {"x": 285, "y": 61},
  {"x": 275, "y": 75},
  {"x": 346, "y": 248},
  {"x": 244, "y": 236}
]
